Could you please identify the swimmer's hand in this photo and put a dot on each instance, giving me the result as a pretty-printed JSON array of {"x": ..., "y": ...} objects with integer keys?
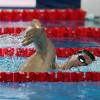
[{"x": 33, "y": 32}]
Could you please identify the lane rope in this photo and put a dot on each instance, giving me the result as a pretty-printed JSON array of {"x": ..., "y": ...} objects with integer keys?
[
  {"x": 57, "y": 32},
  {"x": 49, "y": 76},
  {"x": 47, "y": 14},
  {"x": 61, "y": 52}
]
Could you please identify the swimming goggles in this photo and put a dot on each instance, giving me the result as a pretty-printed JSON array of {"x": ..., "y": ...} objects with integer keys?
[{"x": 81, "y": 57}]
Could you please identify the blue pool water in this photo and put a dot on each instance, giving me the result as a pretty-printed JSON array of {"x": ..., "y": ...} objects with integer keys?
[
  {"x": 48, "y": 91},
  {"x": 76, "y": 42}
]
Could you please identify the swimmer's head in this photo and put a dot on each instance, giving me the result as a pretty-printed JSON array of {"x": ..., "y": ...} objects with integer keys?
[{"x": 81, "y": 58}]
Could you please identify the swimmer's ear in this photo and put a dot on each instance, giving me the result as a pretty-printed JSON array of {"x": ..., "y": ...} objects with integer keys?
[{"x": 36, "y": 24}]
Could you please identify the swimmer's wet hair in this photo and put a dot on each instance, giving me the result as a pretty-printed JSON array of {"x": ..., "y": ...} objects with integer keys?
[{"x": 89, "y": 54}]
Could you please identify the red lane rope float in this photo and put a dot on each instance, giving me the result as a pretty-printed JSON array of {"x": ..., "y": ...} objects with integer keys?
[
  {"x": 62, "y": 32},
  {"x": 47, "y": 14},
  {"x": 61, "y": 52},
  {"x": 49, "y": 76},
  {"x": 11, "y": 30},
  {"x": 57, "y": 32}
]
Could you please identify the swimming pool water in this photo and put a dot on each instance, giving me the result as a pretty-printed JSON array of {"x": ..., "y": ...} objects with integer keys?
[
  {"x": 50, "y": 91},
  {"x": 76, "y": 42}
]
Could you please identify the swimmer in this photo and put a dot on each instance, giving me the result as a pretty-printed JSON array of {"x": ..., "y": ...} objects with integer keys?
[{"x": 44, "y": 58}]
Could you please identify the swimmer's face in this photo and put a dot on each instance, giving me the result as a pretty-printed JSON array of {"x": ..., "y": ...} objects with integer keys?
[{"x": 79, "y": 59}]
